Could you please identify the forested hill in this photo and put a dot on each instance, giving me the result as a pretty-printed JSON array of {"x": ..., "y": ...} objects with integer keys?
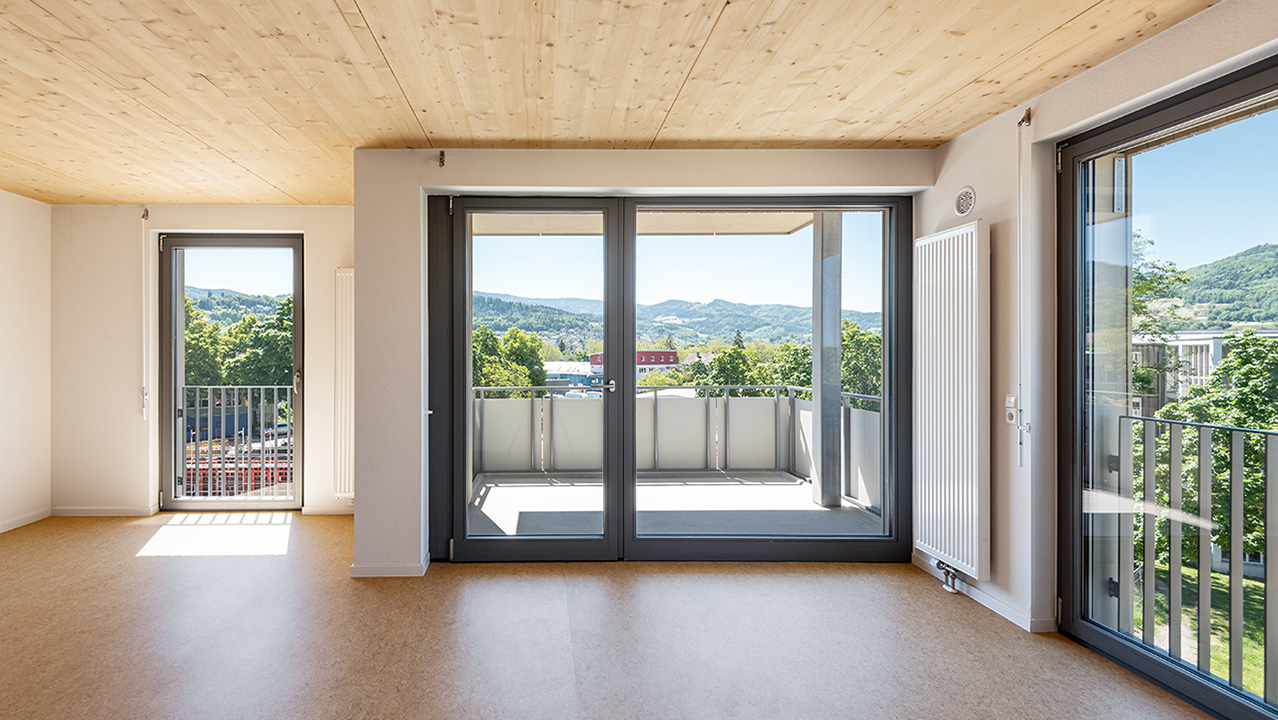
[
  {"x": 545, "y": 320},
  {"x": 722, "y": 319},
  {"x": 1241, "y": 288},
  {"x": 226, "y": 307},
  {"x": 687, "y": 322}
]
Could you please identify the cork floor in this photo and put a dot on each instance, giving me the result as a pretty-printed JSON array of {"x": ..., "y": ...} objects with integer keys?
[{"x": 93, "y": 627}]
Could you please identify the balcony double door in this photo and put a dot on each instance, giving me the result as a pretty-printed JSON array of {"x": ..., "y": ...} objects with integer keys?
[{"x": 620, "y": 389}]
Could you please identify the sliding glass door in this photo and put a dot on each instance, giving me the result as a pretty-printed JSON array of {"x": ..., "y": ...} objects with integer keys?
[
  {"x": 679, "y": 379},
  {"x": 1171, "y": 423}
]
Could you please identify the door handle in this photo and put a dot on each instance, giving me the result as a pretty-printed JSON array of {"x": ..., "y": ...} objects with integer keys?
[
  {"x": 297, "y": 382},
  {"x": 611, "y": 385}
]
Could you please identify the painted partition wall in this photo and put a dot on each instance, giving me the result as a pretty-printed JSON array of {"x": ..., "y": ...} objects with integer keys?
[
  {"x": 24, "y": 360},
  {"x": 105, "y": 447},
  {"x": 1013, "y": 172},
  {"x": 392, "y": 191}
]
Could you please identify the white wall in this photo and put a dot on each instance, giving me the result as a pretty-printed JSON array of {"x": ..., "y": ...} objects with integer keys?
[
  {"x": 390, "y": 188},
  {"x": 1015, "y": 192},
  {"x": 24, "y": 360},
  {"x": 105, "y": 346}
]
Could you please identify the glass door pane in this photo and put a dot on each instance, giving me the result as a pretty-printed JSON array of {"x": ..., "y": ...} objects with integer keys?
[
  {"x": 536, "y": 430},
  {"x": 1180, "y": 351},
  {"x": 732, "y": 437}
]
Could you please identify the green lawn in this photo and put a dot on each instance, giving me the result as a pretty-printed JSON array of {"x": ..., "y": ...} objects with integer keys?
[{"x": 1253, "y": 622}]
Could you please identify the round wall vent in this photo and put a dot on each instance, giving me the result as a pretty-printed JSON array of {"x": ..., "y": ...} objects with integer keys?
[{"x": 964, "y": 201}]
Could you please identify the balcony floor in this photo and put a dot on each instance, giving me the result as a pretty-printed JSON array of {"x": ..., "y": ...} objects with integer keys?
[
  {"x": 745, "y": 503},
  {"x": 92, "y": 628}
]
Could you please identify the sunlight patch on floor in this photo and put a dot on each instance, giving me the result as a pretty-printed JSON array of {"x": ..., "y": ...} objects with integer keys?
[
  {"x": 504, "y": 503},
  {"x": 221, "y": 535}
]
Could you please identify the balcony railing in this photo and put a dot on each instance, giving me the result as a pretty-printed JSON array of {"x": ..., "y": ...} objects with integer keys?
[
  {"x": 236, "y": 441},
  {"x": 727, "y": 428},
  {"x": 1180, "y": 483}
]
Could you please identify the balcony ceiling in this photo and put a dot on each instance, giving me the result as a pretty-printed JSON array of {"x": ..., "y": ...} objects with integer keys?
[{"x": 262, "y": 101}]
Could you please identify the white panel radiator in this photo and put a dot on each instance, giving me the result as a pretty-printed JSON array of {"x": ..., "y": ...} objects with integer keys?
[
  {"x": 952, "y": 398},
  {"x": 344, "y": 386}
]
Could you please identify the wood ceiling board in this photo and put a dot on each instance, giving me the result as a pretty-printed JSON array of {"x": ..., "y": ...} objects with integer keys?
[
  {"x": 1084, "y": 41},
  {"x": 261, "y": 101},
  {"x": 308, "y": 76},
  {"x": 89, "y": 131},
  {"x": 868, "y": 67},
  {"x": 562, "y": 73},
  {"x": 308, "y": 160}
]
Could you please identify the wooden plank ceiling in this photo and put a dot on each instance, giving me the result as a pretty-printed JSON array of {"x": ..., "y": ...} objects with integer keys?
[{"x": 263, "y": 101}]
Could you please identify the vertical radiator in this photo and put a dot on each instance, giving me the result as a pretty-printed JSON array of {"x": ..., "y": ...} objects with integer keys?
[
  {"x": 344, "y": 386},
  {"x": 952, "y": 398}
]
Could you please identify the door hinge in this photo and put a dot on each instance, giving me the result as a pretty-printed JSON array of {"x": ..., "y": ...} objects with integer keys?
[
  {"x": 1059, "y": 620},
  {"x": 1111, "y": 587},
  {"x": 450, "y": 204},
  {"x": 161, "y": 243},
  {"x": 450, "y": 548},
  {"x": 1058, "y": 161}
]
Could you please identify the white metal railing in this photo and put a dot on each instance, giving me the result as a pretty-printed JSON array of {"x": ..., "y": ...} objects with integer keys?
[
  {"x": 721, "y": 428},
  {"x": 1225, "y": 462},
  {"x": 236, "y": 442}
]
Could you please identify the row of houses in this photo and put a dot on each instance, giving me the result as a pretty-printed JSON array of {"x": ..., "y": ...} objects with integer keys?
[{"x": 591, "y": 372}]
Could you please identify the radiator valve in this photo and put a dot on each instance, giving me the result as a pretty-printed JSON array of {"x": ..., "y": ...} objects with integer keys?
[{"x": 950, "y": 575}]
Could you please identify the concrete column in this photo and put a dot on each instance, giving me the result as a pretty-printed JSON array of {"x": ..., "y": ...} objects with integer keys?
[{"x": 827, "y": 295}]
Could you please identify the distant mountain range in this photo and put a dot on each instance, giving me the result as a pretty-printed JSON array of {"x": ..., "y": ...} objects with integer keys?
[
  {"x": 227, "y": 307},
  {"x": 687, "y": 322},
  {"x": 1237, "y": 291}
]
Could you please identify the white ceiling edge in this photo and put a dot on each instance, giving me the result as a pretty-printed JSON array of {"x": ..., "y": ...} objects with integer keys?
[{"x": 653, "y": 172}]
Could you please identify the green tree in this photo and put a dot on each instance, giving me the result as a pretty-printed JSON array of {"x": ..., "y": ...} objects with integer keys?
[
  {"x": 524, "y": 349},
  {"x": 861, "y": 363},
  {"x": 661, "y": 377},
  {"x": 235, "y": 340},
  {"x": 667, "y": 343},
  {"x": 268, "y": 357},
  {"x": 550, "y": 351},
  {"x": 1154, "y": 288},
  {"x": 203, "y": 347},
  {"x": 497, "y": 372},
  {"x": 736, "y": 366},
  {"x": 1241, "y": 392},
  {"x": 738, "y": 341},
  {"x": 483, "y": 345},
  {"x": 698, "y": 373},
  {"x": 792, "y": 365}
]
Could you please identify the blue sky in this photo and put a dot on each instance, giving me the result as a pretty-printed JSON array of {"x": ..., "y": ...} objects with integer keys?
[
  {"x": 256, "y": 271},
  {"x": 698, "y": 268},
  {"x": 1212, "y": 195}
]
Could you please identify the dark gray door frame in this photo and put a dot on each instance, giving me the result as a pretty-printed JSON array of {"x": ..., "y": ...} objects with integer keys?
[
  {"x": 171, "y": 297},
  {"x": 447, "y": 275},
  {"x": 1251, "y": 83}
]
